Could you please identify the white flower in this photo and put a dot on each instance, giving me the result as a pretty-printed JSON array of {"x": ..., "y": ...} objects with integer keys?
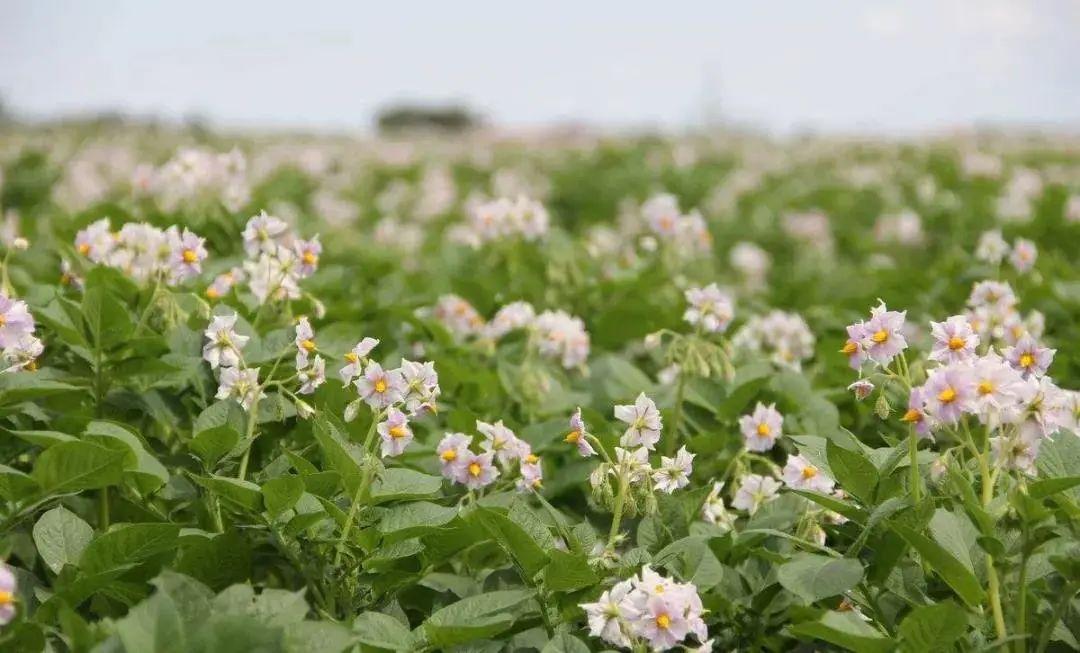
[
  {"x": 356, "y": 359},
  {"x": 608, "y": 614},
  {"x": 710, "y": 308},
  {"x": 304, "y": 341},
  {"x": 379, "y": 388},
  {"x": 395, "y": 433},
  {"x": 761, "y": 428},
  {"x": 644, "y": 423},
  {"x": 501, "y": 441},
  {"x": 313, "y": 377},
  {"x": 241, "y": 385},
  {"x": 755, "y": 490},
  {"x": 674, "y": 473},
  {"x": 799, "y": 474},
  {"x": 714, "y": 511},
  {"x": 223, "y": 342}
]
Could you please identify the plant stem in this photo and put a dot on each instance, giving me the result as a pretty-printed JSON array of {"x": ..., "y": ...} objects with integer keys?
[
  {"x": 676, "y": 418},
  {"x": 360, "y": 490},
  {"x": 249, "y": 436},
  {"x": 1059, "y": 611},
  {"x": 913, "y": 450},
  {"x": 991, "y": 571},
  {"x": 616, "y": 516}
]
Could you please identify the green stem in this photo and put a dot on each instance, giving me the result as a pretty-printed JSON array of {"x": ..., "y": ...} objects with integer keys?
[
  {"x": 1059, "y": 611},
  {"x": 913, "y": 451},
  {"x": 249, "y": 436},
  {"x": 676, "y": 419},
  {"x": 991, "y": 571},
  {"x": 616, "y": 517},
  {"x": 360, "y": 490}
]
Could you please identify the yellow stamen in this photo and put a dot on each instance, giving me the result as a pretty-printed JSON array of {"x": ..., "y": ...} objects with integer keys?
[
  {"x": 912, "y": 415},
  {"x": 763, "y": 430},
  {"x": 351, "y": 357},
  {"x": 663, "y": 621},
  {"x": 947, "y": 396},
  {"x": 809, "y": 471},
  {"x": 985, "y": 388},
  {"x": 532, "y": 459},
  {"x": 189, "y": 256},
  {"x": 309, "y": 258},
  {"x": 84, "y": 249},
  {"x": 399, "y": 432},
  {"x": 449, "y": 455},
  {"x": 309, "y": 345},
  {"x": 6, "y": 598},
  {"x": 212, "y": 293},
  {"x": 880, "y": 336},
  {"x": 474, "y": 469},
  {"x": 849, "y": 348},
  {"x": 572, "y": 437},
  {"x": 380, "y": 386},
  {"x": 1027, "y": 360},
  {"x": 956, "y": 342}
]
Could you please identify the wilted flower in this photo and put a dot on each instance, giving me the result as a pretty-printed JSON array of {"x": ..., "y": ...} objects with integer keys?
[
  {"x": 761, "y": 428},
  {"x": 644, "y": 423},
  {"x": 861, "y": 388},
  {"x": 421, "y": 386},
  {"x": 563, "y": 337},
  {"x": 1017, "y": 451},
  {"x": 714, "y": 511},
  {"x": 511, "y": 317},
  {"x": 23, "y": 354},
  {"x": 532, "y": 475}
]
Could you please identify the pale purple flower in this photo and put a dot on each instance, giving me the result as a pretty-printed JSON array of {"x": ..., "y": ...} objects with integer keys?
[
  {"x": 992, "y": 248},
  {"x": 15, "y": 321},
  {"x": 1023, "y": 255},
  {"x": 800, "y": 474},
  {"x": 501, "y": 441},
  {"x": 853, "y": 347},
  {"x": 644, "y": 423},
  {"x": 308, "y": 253},
  {"x": 577, "y": 435},
  {"x": 916, "y": 412},
  {"x": 992, "y": 293},
  {"x": 1029, "y": 357},
  {"x": 513, "y": 316},
  {"x": 263, "y": 233},
  {"x": 714, "y": 511},
  {"x": 954, "y": 340},
  {"x": 674, "y": 473},
  {"x": 395, "y": 433},
  {"x": 223, "y": 342},
  {"x": 1017, "y": 451},
  {"x": 755, "y": 490},
  {"x": 861, "y": 388},
  {"x": 608, "y": 614},
  {"x": 998, "y": 390},
  {"x": 761, "y": 428},
  {"x": 304, "y": 341},
  {"x": 949, "y": 392},
  {"x": 635, "y": 462},
  {"x": 96, "y": 241},
  {"x": 883, "y": 335},
  {"x": 8, "y": 587},
  {"x": 532, "y": 475},
  {"x": 421, "y": 386},
  {"x": 312, "y": 377},
  {"x": 662, "y": 623},
  {"x": 379, "y": 388},
  {"x": 476, "y": 470},
  {"x": 356, "y": 359},
  {"x": 710, "y": 308},
  {"x": 453, "y": 450},
  {"x": 188, "y": 253}
]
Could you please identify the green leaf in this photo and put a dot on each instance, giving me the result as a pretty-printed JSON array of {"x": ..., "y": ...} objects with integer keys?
[
  {"x": 1050, "y": 486},
  {"x": 845, "y": 629},
  {"x": 74, "y": 466},
  {"x": 341, "y": 456},
  {"x": 568, "y": 572},
  {"x": 514, "y": 540},
  {"x": 212, "y": 444},
  {"x": 153, "y": 625},
  {"x": 403, "y": 484},
  {"x": 146, "y": 471},
  {"x": 412, "y": 519},
  {"x": 128, "y": 544},
  {"x": 564, "y": 642},
  {"x": 282, "y": 493},
  {"x": 16, "y": 485},
  {"x": 217, "y": 560},
  {"x": 951, "y": 570},
  {"x": 30, "y": 386},
  {"x": 243, "y": 493},
  {"x": 476, "y": 617},
  {"x": 933, "y": 627},
  {"x": 813, "y": 577},
  {"x": 61, "y": 536},
  {"x": 108, "y": 320},
  {"x": 854, "y": 472},
  {"x": 317, "y": 637},
  {"x": 382, "y": 631}
]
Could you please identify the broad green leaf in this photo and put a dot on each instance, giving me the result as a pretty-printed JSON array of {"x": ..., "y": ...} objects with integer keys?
[
  {"x": 477, "y": 617},
  {"x": 933, "y": 627},
  {"x": 564, "y": 642},
  {"x": 147, "y": 472},
  {"x": 61, "y": 536},
  {"x": 16, "y": 485},
  {"x": 128, "y": 544},
  {"x": 403, "y": 484},
  {"x": 282, "y": 493},
  {"x": 845, "y": 629},
  {"x": 153, "y": 625},
  {"x": 854, "y": 472},
  {"x": 514, "y": 540},
  {"x": 213, "y": 444},
  {"x": 411, "y": 519},
  {"x": 243, "y": 493},
  {"x": 74, "y": 466},
  {"x": 382, "y": 631},
  {"x": 1050, "y": 486},
  {"x": 341, "y": 456},
  {"x": 814, "y": 577},
  {"x": 568, "y": 572},
  {"x": 317, "y": 637},
  {"x": 951, "y": 570}
]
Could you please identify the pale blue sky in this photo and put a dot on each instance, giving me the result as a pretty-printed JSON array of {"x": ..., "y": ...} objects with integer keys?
[{"x": 827, "y": 64}]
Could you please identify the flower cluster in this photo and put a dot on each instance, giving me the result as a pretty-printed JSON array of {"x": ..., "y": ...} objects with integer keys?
[
  {"x": 143, "y": 251},
  {"x": 277, "y": 260},
  {"x": 710, "y": 309},
  {"x": 197, "y": 175},
  {"x": 223, "y": 350},
  {"x": 17, "y": 340},
  {"x": 414, "y": 386},
  {"x": 500, "y": 449},
  {"x": 784, "y": 337},
  {"x": 993, "y": 249},
  {"x": 878, "y": 339},
  {"x": 669, "y": 224},
  {"x": 502, "y": 219},
  {"x": 651, "y": 609}
]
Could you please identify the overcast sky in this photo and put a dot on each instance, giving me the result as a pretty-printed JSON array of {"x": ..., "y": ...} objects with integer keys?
[{"x": 826, "y": 64}]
